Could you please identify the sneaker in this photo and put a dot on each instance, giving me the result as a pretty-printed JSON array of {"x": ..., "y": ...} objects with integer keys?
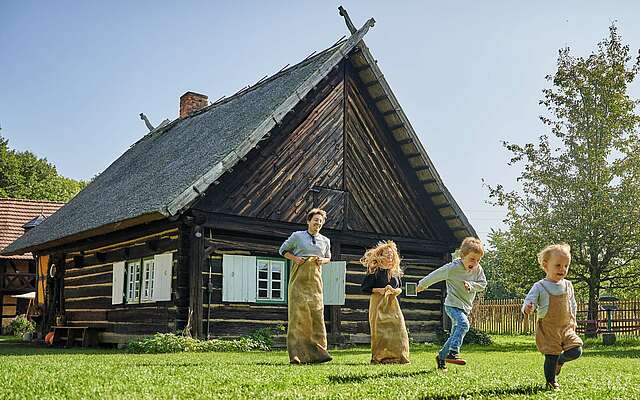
[
  {"x": 455, "y": 359},
  {"x": 558, "y": 368},
  {"x": 440, "y": 364},
  {"x": 553, "y": 386}
]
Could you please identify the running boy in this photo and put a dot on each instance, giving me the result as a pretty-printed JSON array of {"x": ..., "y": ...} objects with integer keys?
[{"x": 464, "y": 277}]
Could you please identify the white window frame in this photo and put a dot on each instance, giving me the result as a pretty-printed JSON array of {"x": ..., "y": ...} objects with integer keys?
[
  {"x": 411, "y": 289},
  {"x": 270, "y": 262},
  {"x": 134, "y": 272},
  {"x": 147, "y": 279}
]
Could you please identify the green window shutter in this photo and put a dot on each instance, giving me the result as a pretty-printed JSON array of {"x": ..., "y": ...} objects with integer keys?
[{"x": 333, "y": 283}]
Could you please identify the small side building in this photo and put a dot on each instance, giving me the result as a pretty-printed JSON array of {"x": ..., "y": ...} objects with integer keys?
[{"x": 18, "y": 271}]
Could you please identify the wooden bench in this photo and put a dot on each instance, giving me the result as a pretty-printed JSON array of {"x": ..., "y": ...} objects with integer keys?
[{"x": 69, "y": 336}]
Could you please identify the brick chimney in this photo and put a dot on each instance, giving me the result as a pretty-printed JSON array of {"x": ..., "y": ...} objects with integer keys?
[{"x": 191, "y": 102}]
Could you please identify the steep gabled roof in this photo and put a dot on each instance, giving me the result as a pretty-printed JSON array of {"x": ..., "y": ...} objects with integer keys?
[
  {"x": 165, "y": 171},
  {"x": 16, "y": 213}
]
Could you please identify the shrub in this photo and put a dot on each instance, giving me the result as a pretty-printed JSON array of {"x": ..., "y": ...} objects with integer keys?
[
  {"x": 474, "y": 336},
  {"x": 172, "y": 343},
  {"x": 21, "y": 325}
]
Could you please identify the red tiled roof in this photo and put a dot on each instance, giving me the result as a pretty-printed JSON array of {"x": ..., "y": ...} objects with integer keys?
[{"x": 16, "y": 212}]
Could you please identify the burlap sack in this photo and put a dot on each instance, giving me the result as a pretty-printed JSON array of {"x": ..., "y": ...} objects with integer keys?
[
  {"x": 389, "y": 339},
  {"x": 306, "y": 333}
]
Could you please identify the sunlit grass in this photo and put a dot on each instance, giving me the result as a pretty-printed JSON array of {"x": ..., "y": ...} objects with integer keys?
[{"x": 511, "y": 368}]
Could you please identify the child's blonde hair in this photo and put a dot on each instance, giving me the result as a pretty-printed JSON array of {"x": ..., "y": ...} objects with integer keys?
[
  {"x": 374, "y": 259},
  {"x": 471, "y": 245},
  {"x": 546, "y": 253}
]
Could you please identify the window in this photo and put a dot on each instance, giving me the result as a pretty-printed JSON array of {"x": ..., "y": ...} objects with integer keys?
[
  {"x": 133, "y": 281},
  {"x": 140, "y": 276},
  {"x": 411, "y": 289},
  {"x": 271, "y": 277},
  {"x": 147, "y": 279},
  {"x": 143, "y": 280}
]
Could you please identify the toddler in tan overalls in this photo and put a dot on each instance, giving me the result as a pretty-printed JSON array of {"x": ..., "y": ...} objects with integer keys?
[{"x": 554, "y": 300}]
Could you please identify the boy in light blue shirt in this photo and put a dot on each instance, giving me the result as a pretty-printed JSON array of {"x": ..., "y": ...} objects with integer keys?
[{"x": 464, "y": 277}]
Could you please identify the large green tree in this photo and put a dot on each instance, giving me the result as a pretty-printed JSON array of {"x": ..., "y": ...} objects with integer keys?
[
  {"x": 23, "y": 175},
  {"x": 582, "y": 185}
]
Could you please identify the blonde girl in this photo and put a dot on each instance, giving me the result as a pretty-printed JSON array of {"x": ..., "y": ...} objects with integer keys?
[{"x": 389, "y": 338}]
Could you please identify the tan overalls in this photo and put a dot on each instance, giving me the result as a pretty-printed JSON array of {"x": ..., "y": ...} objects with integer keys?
[{"x": 556, "y": 332}]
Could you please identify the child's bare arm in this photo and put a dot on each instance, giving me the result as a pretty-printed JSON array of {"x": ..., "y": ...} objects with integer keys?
[{"x": 530, "y": 301}]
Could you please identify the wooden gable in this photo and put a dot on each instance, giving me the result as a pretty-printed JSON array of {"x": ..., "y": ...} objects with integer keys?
[
  {"x": 385, "y": 196},
  {"x": 334, "y": 151},
  {"x": 299, "y": 167}
]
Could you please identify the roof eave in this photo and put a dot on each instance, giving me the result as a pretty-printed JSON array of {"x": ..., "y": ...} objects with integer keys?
[
  {"x": 128, "y": 223},
  {"x": 462, "y": 227}
]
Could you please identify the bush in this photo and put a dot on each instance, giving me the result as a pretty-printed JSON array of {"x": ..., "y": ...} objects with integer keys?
[
  {"x": 172, "y": 343},
  {"x": 474, "y": 336},
  {"x": 21, "y": 325},
  {"x": 265, "y": 335}
]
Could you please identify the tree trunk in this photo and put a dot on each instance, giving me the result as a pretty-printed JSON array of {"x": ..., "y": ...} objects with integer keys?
[{"x": 591, "y": 329}]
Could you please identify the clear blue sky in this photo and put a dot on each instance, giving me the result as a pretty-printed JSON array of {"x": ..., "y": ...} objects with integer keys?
[{"x": 75, "y": 75}]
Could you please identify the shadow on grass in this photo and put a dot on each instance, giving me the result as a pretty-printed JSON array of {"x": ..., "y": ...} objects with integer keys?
[
  {"x": 613, "y": 353},
  {"x": 26, "y": 349},
  {"x": 353, "y": 378},
  {"x": 168, "y": 364},
  {"x": 529, "y": 389}
]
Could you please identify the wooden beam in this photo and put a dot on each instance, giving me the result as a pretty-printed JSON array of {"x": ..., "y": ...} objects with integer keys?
[
  {"x": 459, "y": 228},
  {"x": 273, "y": 233},
  {"x": 421, "y": 168},
  {"x": 380, "y": 98},
  {"x": 194, "y": 237},
  {"x": 362, "y": 68},
  {"x": 413, "y": 155},
  {"x": 404, "y": 141},
  {"x": 396, "y": 126},
  {"x": 390, "y": 112},
  {"x": 440, "y": 206},
  {"x": 450, "y": 217},
  {"x": 372, "y": 83},
  {"x": 428, "y": 181},
  {"x": 434, "y": 194}
]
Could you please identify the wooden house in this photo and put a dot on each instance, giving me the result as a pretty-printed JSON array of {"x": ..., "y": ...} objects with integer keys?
[
  {"x": 18, "y": 271},
  {"x": 187, "y": 223}
]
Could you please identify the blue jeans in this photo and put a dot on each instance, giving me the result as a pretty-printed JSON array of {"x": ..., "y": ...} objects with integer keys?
[{"x": 459, "y": 328}]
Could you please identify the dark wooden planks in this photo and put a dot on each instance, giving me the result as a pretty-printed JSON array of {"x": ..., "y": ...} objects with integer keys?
[{"x": 281, "y": 180}]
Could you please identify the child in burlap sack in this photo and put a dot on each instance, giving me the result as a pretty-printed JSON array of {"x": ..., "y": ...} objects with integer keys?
[{"x": 389, "y": 338}]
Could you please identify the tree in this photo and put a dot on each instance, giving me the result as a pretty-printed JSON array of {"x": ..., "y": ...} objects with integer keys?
[
  {"x": 23, "y": 175},
  {"x": 583, "y": 186}
]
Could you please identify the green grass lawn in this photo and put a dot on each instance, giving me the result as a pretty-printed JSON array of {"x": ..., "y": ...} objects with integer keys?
[{"x": 509, "y": 369}]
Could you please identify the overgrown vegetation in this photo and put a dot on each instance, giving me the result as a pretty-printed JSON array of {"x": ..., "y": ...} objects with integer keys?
[
  {"x": 21, "y": 325},
  {"x": 172, "y": 343},
  {"x": 474, "y": 336}
]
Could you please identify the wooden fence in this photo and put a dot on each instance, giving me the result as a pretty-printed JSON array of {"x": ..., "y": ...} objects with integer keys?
[{"x": 505, "y": 317}]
